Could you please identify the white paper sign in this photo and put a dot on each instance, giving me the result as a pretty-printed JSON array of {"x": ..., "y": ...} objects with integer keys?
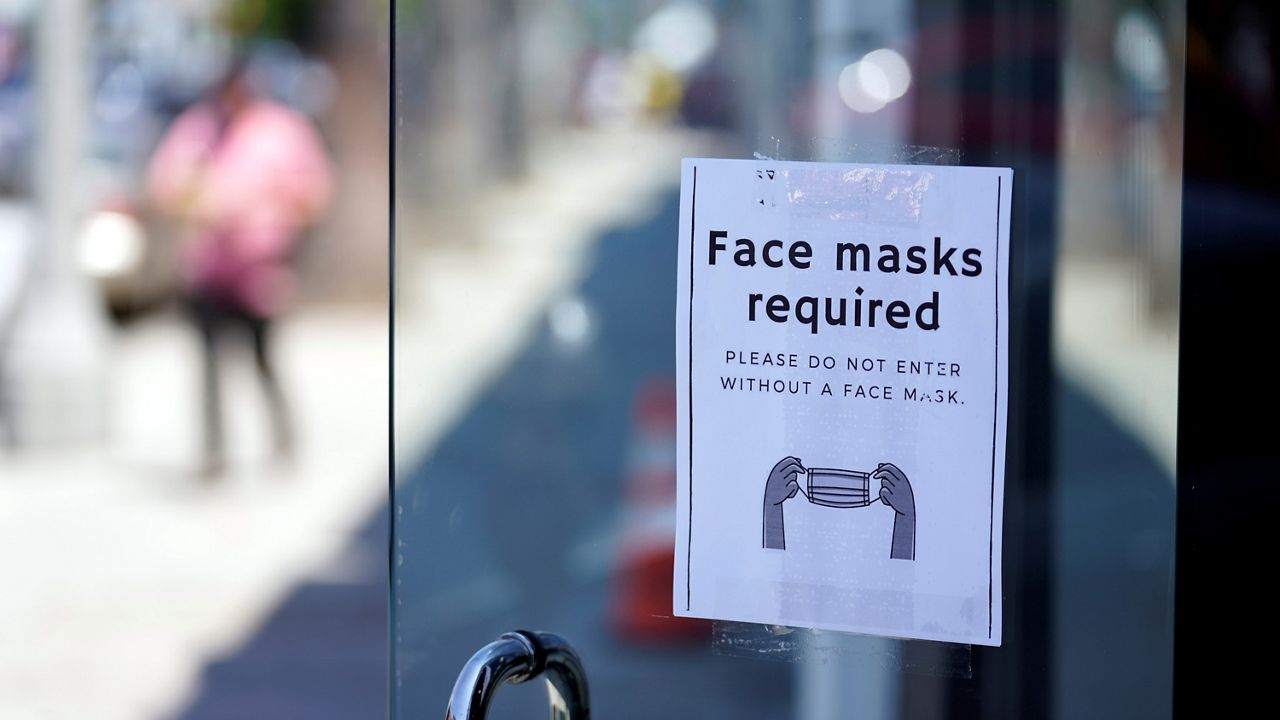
[{"x": 842, "y": 341}]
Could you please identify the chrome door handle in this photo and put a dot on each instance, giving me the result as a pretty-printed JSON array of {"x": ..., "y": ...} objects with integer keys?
[{"x": 517, "y": 657}]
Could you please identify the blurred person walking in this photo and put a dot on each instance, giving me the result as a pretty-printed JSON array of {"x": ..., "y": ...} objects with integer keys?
[{"x": 246, "y": 176}]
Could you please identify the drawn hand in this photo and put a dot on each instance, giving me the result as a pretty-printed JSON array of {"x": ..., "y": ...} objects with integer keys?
[
  {"x": 895, "y": 489},
  {"x": 782, "y": 484},
  {"x": 896, "y": 492}
]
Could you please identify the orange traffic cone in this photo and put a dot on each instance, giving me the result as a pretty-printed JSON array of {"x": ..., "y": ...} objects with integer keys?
[{"x": 640, "y": 606}]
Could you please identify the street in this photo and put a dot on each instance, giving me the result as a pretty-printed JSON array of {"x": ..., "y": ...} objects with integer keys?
[{"x": 511, "y": 521}]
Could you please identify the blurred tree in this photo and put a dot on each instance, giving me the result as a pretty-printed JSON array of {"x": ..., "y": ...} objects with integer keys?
[
  {"x": 293, "y": 20},
  {"x": 409, "y": 10}
]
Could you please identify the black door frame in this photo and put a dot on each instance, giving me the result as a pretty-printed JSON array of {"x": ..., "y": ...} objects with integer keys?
[{"x": 1228, "y": 481}]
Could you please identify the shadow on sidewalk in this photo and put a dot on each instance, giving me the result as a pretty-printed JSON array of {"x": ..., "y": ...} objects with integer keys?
[{"x": 322, "y": 654}]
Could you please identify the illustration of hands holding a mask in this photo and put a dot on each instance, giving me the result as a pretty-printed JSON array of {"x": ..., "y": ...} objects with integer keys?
[{"x": 840, "y": 489}]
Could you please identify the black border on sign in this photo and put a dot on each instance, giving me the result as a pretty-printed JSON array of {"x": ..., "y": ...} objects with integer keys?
[
  {"x": 688, "y": 546},
  {"x": 995, "y": 418},
  {"x": 393, "y": 112}
]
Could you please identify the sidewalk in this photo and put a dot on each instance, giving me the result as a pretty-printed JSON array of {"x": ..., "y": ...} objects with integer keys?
[{"x": 124, "y": 572}]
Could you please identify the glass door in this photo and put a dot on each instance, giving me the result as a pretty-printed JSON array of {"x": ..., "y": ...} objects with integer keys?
[{"x": 537, "y": 162}]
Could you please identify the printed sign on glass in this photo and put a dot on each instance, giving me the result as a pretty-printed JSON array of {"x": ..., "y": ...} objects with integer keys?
[{"x": 841, "y": 357}]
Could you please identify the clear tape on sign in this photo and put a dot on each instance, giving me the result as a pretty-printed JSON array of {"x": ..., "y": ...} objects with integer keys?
[
  {"x": 885, "y": 196},
  {"x": 799, "y": 645}
]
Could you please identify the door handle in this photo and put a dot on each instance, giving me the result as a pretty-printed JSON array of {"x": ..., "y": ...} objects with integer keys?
[{"x": 517, "y": 657}]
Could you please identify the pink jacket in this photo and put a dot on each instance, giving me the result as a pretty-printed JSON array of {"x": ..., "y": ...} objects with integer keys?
[{"x": 248, "y": 193}]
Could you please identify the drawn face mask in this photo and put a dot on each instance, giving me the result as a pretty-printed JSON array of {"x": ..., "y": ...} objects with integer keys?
[{"x": 838, "y": 488}]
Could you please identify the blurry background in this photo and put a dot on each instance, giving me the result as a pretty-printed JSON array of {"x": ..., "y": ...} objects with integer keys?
[
  {"x": 135, "y": 581},
  {"x": 537, "y": 161},
  {"x": 537, "y": 155}
]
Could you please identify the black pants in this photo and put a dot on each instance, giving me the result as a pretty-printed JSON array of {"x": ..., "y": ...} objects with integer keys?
[{"x": 218, "y": 322}]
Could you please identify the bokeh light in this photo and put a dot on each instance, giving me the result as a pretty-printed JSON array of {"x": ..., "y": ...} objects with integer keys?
[{"x": 879, "y": 78}]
